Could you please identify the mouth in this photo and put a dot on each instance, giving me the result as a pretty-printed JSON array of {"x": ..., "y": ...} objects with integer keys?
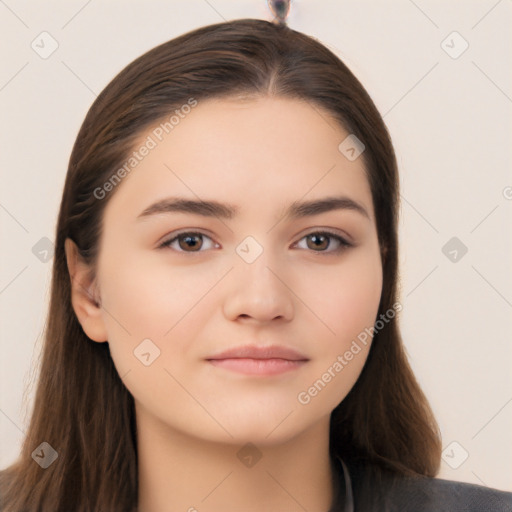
[{"x": 254, "y": 360}]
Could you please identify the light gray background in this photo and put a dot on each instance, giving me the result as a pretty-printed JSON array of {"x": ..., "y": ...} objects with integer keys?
[{"x": 449, "y": 118}]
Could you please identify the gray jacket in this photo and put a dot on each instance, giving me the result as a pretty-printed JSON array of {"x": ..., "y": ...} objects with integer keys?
[{"x": 359, "y": 489}]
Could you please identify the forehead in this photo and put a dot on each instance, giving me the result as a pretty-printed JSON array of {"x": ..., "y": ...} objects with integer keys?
[{"x": 254, "y": 151}]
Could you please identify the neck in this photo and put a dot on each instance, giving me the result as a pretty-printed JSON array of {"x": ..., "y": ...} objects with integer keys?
[{"x": 182, "y": 473}]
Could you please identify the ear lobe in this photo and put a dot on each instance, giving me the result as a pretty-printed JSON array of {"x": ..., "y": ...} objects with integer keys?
[{"x": 84, "y": 297}]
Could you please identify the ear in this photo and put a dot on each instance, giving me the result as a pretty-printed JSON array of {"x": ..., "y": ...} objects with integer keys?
[{"x": 87, "y": 308}]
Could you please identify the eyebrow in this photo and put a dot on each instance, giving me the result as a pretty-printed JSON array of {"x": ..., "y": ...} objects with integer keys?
[{"x": 296, "y": 210}]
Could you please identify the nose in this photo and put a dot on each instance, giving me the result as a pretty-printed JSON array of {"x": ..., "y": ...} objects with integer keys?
[{"x": 258, "y": 292}]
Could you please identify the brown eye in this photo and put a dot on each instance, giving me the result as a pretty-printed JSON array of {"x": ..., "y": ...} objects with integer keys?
[
  {"x": 318, "y": 241},
  {"x": 322, "y": 240},
  {"x": 190, "y": 242},
  {"x": 187, "y": 242}
]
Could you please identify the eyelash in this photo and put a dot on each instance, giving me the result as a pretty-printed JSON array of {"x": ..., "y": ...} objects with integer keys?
[{"x": 343, "y": 243}]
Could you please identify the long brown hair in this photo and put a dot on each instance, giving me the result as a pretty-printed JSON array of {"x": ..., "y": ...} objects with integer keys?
[{"x": 82, "y": 409}]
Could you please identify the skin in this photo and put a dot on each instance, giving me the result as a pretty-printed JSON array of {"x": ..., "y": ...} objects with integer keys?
[{"x": 193, "y": 418}]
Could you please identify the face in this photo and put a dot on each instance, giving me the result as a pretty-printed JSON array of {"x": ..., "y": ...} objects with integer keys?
[{"x": 287, "y": 291}]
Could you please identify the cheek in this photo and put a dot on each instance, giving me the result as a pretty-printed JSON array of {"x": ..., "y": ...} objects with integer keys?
[
  {"x": 359, "y": 298},
  {"x": 349, "y": 306},
  {"x": 346, "y": 298},
  {"x": 142, "y": 300},
  {"x": 161, "y": 304}
]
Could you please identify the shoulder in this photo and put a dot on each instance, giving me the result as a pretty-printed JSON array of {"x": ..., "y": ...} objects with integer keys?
[
  {"x": 383, "y": 491},
  {"x": 425, "y": 494}
]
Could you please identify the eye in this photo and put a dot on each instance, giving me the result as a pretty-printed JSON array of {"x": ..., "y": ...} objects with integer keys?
[
  {"x": 192, "y": 241},
  {"x": 186, "y": 241},
  {"x": 322, "y": 240}
]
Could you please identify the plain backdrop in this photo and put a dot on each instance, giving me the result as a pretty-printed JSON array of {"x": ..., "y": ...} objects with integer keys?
[{"x": 439, "y": 72}]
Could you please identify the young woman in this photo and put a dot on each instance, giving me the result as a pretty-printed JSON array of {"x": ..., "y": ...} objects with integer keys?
[{"x": 222, "y": 332}]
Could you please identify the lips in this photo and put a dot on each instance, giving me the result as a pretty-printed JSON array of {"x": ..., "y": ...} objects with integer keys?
[
  {"x": 255, "y": 360},
  {"x": 255, "y": 352}
]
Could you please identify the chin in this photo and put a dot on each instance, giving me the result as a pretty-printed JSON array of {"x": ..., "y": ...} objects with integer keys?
[{"x": 266, "y": 428}]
